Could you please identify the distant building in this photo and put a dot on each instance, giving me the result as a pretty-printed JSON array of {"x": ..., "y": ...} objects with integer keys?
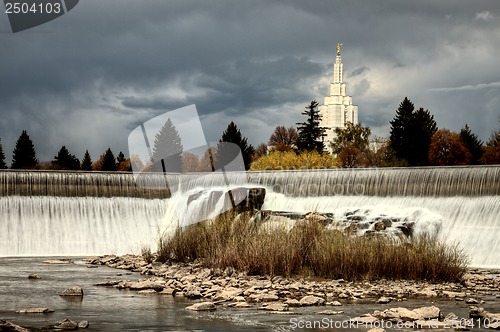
[{"x": 337, "y": 109}]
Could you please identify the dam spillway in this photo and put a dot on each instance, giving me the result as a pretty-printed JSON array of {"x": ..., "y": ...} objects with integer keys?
[{"x": 84, "y": 213}]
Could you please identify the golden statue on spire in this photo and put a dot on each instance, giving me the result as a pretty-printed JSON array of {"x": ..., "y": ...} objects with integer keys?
[{"x": 338, "y": 48}]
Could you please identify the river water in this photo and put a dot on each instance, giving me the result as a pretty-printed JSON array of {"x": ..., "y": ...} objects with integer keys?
[{"x": 110, "y": 309}]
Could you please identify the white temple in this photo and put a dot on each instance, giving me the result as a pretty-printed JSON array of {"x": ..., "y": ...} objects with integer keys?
[{"x": 337, "y": 109}]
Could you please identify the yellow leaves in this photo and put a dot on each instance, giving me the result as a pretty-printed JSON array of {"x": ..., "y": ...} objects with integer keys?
[{"x": 289, "y": 160}]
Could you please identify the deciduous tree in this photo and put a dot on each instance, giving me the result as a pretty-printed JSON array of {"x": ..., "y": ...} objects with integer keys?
[
  {"x": 447, "y": 148},
  {"x": 283, "y": 139},
  {"x": 492, "y": 150}
]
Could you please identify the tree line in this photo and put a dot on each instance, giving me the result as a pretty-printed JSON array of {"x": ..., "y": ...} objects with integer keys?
[
  {"x": 415, "y": 140},
  {"x": 24, "y": 157}
]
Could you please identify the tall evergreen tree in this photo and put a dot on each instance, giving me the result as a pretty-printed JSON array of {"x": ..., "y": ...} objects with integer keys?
[
  {"x": 167, "y": 149},
  {"x": 3, "y": 165},
  {"x": 424, "y": 128},
  {"x": 473, "y": 144},
  {"x": 86, "y": 162},
  {"x": 233, "y": 135},
  {"x": 66, "y": 160},
  {"x": 24, "y": 155},
  {"x": 310, "y": 133},
  {"x": 108, "y": 162},
  {"x": 411, "y": 133},
  {"x": 120, "y": 158}
]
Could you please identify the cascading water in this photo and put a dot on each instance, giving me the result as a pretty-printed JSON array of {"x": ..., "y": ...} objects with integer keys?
[
  {"x": 75, "y": 213},
  {"x": 471, "y": 222},
  {"x": 69, "y": 226}
]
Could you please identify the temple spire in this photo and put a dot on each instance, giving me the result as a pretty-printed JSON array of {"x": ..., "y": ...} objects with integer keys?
[{"x": 338, "y": 48}]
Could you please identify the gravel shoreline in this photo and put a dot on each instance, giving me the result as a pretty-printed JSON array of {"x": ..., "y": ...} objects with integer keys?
[{"x": 216, "y": 289}]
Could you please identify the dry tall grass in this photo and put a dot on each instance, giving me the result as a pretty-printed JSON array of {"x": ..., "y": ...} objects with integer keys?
[{"x": 311, "y": 250}]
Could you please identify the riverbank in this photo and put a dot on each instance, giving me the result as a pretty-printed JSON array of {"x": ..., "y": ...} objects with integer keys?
[{"x": 216, "y": 289}]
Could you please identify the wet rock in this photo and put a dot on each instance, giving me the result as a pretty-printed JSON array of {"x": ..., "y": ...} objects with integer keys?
[
  {"x": 168, "y": 291},
  {"x": 334, "y": 303},
  {"x": 35, "y": 311},
  {"x": 431, "y": 312},
  {"x": 109, "y": 283},
  {"x": 146, "y": 284},
  {"x": 274, "y": 306},
  {"x": 11, "y": 327},
  {"x": 431, "y": 324},
  {"x": 202, "y": 306},
  {"x": 453, "y": 295},
  {"x": 330, "y": 312},
  {"x": 426, "y": 292},
  {"x": 73, "y": 291},
  {"x": 58, "y": 261},
  {"x": 471, "y": 301},
  {"x": 263, "y": 297},
  {"x": 147, "y": 291},
  {"x": 84, "y": 324},
  {"x": 364, "y": 319},
  {"x": 376, "y": 329},
  {"x": 242, "y": 305},
  {"x": 397, "y": 314},
  {"x": 311, "y": 300},
  {"x": 384, "y": 300},
  {"x": 33, "y": 276},
  {"x": 193, "y": 292},
  {"x": 293, "y": 302},
  {"x": 65, "y": 325}
]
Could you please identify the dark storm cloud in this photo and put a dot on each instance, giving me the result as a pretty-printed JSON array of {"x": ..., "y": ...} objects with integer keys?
[{"x": 88, "y": 78}]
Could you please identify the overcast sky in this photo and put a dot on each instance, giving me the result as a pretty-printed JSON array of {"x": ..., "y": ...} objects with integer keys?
[{"x": 88, "y": 78}]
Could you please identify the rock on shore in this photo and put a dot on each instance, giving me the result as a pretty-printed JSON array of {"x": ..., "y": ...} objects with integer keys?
[{"x": 228, "y": 288}]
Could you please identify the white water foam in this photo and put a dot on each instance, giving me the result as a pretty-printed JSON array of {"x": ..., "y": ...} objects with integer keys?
[
  {"x": 78, "y": 226},
  {"x": 470, "y": 222}
]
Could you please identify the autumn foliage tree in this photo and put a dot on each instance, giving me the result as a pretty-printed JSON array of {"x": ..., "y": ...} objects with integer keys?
[
  {"x": 492, "y": 150},
  {"x": 289, "y": 160},
  {"x": 283, "y": 139},
  {"x": 351, "y": 145},
  {"x": 447, "y": 148}
]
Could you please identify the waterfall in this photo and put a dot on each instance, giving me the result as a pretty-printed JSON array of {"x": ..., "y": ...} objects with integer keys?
[
  {"x": 81, "y": 213},
  {"x": 69, "y": 226},
  {"x": 470, "y": 222}
]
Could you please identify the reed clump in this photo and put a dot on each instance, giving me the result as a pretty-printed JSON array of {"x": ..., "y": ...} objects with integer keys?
[{"x": 310, "y": 249}]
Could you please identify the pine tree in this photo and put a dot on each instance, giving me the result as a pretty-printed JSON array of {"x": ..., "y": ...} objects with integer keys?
[
  {"x": 473, "y": 144},
  {"x": 120, "y": 158},
  {"x": 3, "y": 165},
  {"x": 167, "y": 150},
  {"x": 233, "y": 135},
  {"x": 108, "y": 163},
  {"x": 424, "y": 128},
  {"x": 86, "y": 162},
  {"x": 310, "y": 133},
  {"x": 66, "y": 160},
  {"x": 24, "y": 155},
  {"x": 411, "y": 133}
]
